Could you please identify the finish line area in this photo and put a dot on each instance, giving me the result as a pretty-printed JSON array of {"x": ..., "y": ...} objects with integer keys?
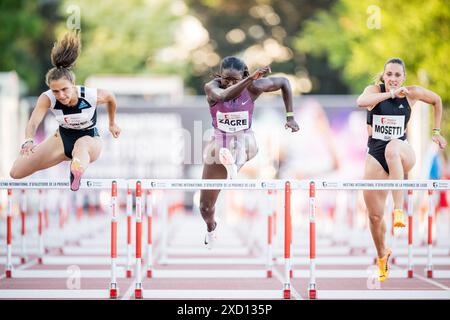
[{"x": 277, "y": 239}]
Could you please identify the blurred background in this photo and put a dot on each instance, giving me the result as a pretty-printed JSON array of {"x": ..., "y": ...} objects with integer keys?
[{"x": 156, "y": 55}]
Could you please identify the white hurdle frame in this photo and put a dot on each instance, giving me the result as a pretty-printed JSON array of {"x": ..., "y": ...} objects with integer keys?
[{"x": 188, "y": 184}]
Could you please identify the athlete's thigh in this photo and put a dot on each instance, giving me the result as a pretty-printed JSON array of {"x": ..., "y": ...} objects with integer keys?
[
  {"x": 408, "y": 156},
  {"x": 211, "y": 154},
  {"x": 92, "y": 144},
  {"x": 212, "y": 171},
  {"x": 374, "y": 199},
  {"x": 45, "y": 155},
  {"x": 251, "y": 147}
]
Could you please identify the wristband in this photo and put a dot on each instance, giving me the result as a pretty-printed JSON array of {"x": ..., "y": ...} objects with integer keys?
[
  {"x": 392, "y": 93},
  {"x": 27, "y": 141},
  {"x": 289, "y": 114},
  {"x": 436, "y": 131}
]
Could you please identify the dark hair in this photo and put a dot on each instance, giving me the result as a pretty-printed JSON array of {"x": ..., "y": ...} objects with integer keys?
[
  {"x": 379, "y": 78},
  {"x": 235, "y": 63},
  {"x": 63, "y": 56}
]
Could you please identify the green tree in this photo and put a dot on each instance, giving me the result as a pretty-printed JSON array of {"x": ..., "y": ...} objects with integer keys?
[
  {"x": 259, "y": 21},
  {"x": 25, "y": 28},
  {"x": 358, "y": 36},
  {"x": 121, "y": 37}
]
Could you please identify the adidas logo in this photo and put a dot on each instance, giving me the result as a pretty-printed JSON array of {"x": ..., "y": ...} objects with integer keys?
[{"x": 83, "y": 105}]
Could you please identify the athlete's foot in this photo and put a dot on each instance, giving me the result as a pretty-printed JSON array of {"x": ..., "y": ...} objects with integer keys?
[
  {"x": 399, "y": 219},
  {"x": 383, "y": 266},
  {"x": 76, "y": 171},
  {"x": 211, "y": 237},
  {"x": 227, "y": 159}
]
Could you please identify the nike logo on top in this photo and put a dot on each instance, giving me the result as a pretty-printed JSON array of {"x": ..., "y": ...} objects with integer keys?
[{"x": 245, "y": 102}]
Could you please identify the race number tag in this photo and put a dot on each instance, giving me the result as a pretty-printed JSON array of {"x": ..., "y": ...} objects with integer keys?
[
  {"x": 232, "y": 121},
  {"x": 388, "y": 127},
  {"x": 75, "y": 121}
]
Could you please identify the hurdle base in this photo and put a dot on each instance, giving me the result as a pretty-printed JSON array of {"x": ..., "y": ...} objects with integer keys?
[
  {"x": 129, "y": 273},
  {"x": 113, "y": 293},
  {"x": 429, "y": 273},
  {"x": 287, "y": 294},
  {"x": 138, "y": 294},
  {"x": 149, "y": 274},
  {"x": 40, "y": 261},
  {"x": 410, "y": 273},
  {"x": 8, "y": 273},
  {"x": 269, "y": 273},
  {"x": 23, "y": 260},
  {"x": 312, "y": 294}
]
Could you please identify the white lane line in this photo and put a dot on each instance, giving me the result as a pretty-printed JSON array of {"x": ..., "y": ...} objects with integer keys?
[
  {"x": 121, "y": 273},
  {"x": 355, "y": 273},
  {"x": 383, "y": 294},
  {"x": 427, "y": 280},
  {"x": 54, "y": 294},
  {"x": 213, "y": 294},
  {"x": 365, "y": 260}
]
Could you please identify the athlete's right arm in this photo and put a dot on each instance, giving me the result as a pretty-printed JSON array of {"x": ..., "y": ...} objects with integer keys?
[
  {"x": 215, "y": 93},
  {"x": 371, "y": 96},
  {"x": 41, "y": 108}
]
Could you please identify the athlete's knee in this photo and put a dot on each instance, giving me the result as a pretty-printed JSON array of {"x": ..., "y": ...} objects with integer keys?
[
  {"x": 392, "y": 153},
  {"x": 15, "y": 173},
  {"x": 206, "y": 207},
  {"x": 375, "y": 219}
]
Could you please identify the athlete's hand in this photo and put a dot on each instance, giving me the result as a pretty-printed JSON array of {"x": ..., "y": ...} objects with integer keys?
[
  {"x": 115, "y": 130},
  {"x": 261, "y": 72},
  {"x": 400, "y": 92},
  {"x": 292, "y": 124},
  {"x": 439, "y": 140},
  {"x": 27, "y": 148}
]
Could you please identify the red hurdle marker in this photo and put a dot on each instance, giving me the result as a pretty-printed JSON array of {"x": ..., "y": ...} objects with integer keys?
[
  {"x": 9, "y": 265},
  {"x": 410, "y": 233},
  {"x": 129, "y": 225},
  {"x": 429, "y": 267},
  {"x": 287, "y": 241},
  {"x": 113, "y": 289},
  {"x": 138, "y": 282},
  {"x": 149, "y": 211},
  {"x": 312, "y": 290}
]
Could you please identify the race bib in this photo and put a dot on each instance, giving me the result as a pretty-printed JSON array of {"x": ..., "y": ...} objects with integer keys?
[
  {"x": 75, "y": 121},
  {"x": 232, "y": 121},
  {"x": 388, "y": 127}
]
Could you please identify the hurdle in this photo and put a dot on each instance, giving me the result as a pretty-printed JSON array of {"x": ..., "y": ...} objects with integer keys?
[
  {"x": 42, "y": 185},
  {"x": 428, "y": 185},
  {"x": 186, "y": 184}
]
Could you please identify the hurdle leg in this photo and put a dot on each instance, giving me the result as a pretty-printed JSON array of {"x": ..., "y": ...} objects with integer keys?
[
  {"x": 129, "y": 222},
  {"x": 113, "y": 288},
  {"x": 23, "y": 210},
  {"x": 287, "y": 241},
  {"x": 429, "y": 268},
  {"x": 138, "y": 276},
  {"x": 312, "y": 290},
  {"x": 410, "y": 234},
  {"x": 149, "y": 234},
  {"x": 41, "y": 227},
  {"x": 9, "y": 265},
  {"x": 269, "y": 263}
]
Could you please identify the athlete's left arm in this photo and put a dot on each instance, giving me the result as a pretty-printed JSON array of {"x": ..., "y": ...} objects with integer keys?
[
  {"x": 415, "y": 93},
  {"x": 271, "y": 84},
  {"x": 104, "y": 96}
]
